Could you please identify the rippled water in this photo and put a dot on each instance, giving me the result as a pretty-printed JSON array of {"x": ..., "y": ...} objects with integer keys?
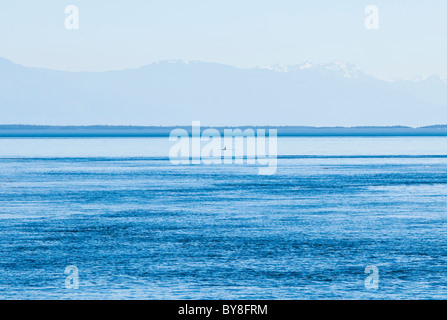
[{"x": 138, "y": 227}]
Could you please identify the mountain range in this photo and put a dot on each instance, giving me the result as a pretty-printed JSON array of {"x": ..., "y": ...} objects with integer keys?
[{"x": 171, "y": 93}]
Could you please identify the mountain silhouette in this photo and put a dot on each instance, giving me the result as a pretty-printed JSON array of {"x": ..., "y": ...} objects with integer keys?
[{"x": 178, "y": 92}]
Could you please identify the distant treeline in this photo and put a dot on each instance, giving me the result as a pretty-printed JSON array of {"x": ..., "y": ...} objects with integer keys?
[{"x": 152, "y": 131}]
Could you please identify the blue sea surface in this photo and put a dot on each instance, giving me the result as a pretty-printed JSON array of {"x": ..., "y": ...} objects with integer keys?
[{"x": 138, "y": 227}]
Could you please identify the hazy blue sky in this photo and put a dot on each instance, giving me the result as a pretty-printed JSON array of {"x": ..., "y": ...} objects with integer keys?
[{"x": 411, "y": 41}]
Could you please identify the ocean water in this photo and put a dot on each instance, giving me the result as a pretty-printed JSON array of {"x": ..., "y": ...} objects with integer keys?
[{"x": 138, "y": 227}]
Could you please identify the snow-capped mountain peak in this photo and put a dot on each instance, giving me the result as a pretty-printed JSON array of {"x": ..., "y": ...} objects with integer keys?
[
  {"x": 345, "y": 69},
  {"x": 276, "y": 67}
]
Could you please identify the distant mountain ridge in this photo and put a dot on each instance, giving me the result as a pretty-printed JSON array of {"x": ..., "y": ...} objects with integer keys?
[{"x": 178, "y": 92}]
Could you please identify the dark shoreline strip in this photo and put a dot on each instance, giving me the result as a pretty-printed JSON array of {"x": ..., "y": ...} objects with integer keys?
[{"x": 28, "y": 131}]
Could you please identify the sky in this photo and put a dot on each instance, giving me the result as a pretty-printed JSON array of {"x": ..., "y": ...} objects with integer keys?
[{"x": 112, "y": 35}]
